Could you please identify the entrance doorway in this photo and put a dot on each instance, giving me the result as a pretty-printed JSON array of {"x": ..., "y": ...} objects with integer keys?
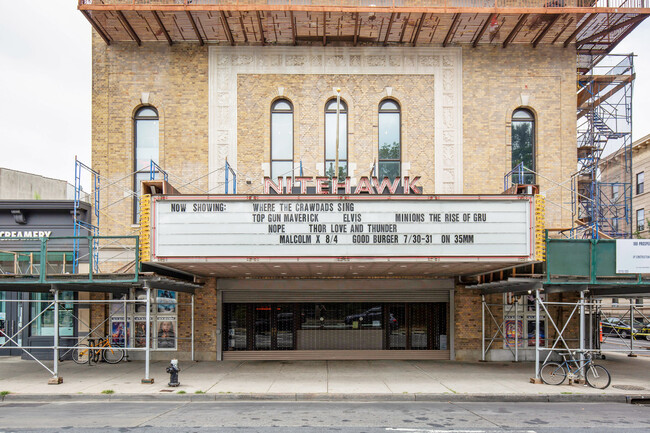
[
  {"x": 335, "y": 326},
  {"x": 9, "y": 323}
]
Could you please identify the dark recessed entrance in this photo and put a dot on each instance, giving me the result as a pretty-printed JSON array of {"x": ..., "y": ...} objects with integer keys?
[{"x": 335, "y": 326}]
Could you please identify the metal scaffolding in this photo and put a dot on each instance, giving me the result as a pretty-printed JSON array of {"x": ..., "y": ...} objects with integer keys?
[{"x": 604, "y": 115}]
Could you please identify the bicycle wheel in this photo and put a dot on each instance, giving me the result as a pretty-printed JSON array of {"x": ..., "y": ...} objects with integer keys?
[
  {"x": 597, "y": 376},
  {"x": 112, "y": 355},
  {"x": 81, "y": 354},
  {"x": 552, "y": 373}
]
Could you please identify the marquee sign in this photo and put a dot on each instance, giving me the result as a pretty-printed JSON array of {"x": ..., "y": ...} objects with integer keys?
[{"x": 237, "y": 227}]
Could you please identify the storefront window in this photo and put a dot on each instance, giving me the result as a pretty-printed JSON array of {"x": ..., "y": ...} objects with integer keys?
[
  {"x": 44, "y": 325},
  {"x": 419, "y": 328},
  {"x": 335, "y": 326},
  {"x": 235, "y": 315},
  {"x": 397, "y": 326}
]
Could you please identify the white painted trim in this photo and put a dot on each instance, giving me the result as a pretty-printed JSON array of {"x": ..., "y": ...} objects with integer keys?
[{"x": 445, "y": 64}]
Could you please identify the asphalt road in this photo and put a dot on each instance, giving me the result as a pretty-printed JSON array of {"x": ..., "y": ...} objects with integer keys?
[
  {"x": 613, "y": 342},
  {"x": 344, "y": 417}
]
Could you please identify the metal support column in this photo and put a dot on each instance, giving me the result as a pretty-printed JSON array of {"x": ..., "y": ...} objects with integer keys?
[
  {"x": 482, "y": 327},
  {"x": 126, "y": 329},
  {"x": 55, "y": 379},
  {"x": 192, "y": 336},
  {"x": 632, "y": 328},
  {"x": 536, "y": 334},
  {"x": 147, "y": 351},
  {"x": 56, "y": 332},
  {"x": 517, "y": 329},
  {"x": 582, "y": 331}
]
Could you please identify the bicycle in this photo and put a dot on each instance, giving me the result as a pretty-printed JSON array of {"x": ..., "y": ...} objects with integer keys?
[
  {"x": 88, "y": 353},
  {"x": 554, "y": 373}
]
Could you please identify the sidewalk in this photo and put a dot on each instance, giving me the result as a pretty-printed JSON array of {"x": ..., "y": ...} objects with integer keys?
[{"x": 318, "y": 380}]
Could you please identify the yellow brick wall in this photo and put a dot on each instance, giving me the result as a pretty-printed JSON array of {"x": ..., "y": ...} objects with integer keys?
[
  {"x": 493, "y": 81},
  {"x": 176, "y": 79},
  {"x": 309, "y": 93}
]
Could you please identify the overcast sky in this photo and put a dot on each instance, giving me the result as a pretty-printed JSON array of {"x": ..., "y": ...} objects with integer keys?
[{"x": 45, "y": 85}]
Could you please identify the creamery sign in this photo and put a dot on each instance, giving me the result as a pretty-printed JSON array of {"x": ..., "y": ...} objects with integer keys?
[{"x": 366, "y": 226}]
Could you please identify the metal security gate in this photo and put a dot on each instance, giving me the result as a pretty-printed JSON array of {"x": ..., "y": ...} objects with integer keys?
[{"x": 335, "y": 319}]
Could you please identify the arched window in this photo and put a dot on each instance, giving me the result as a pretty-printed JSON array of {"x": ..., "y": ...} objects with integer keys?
[
  {"x": 523, "y": 144},
  {"x": 330, "y": 139},
  {"x": 390, "y": 139},
  {"x": 281, "y": 138},
  {"x": 146, "y": 147}
]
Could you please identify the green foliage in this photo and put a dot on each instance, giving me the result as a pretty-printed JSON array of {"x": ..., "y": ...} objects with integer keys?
[
  {"x": 199, "y": 392},
  {"x": 330, "y": 170},
  {"x": 181, "y": 392},
  {"x": 37, "y": 196},
  {"x": 108, "y": 391},
  {"x": 3, "y": 393},
  {"x": 389, "y": 151}
]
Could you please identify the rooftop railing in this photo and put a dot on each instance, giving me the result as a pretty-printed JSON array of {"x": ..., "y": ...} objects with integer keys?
[{"x": 623, "y": 4}]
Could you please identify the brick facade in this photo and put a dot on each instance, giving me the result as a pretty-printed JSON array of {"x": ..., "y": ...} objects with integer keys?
[{"x": 175, "y": 80}]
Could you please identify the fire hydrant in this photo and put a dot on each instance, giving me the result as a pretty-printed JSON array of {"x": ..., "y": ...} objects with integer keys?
[{"x": 173, "y": 370}]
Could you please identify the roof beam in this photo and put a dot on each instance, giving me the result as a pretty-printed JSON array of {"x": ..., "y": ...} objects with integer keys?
[
  {"x": 579, "y": 29},
  {"x": 196, "y": 29},
  {"x": 226, "y": 28},
  {"x": 243, "y": 28},
  {"x": 98, "y": 29},
  {"x": 607, "y": 31},
  {"x": 481, "y": 32},
  {"x": 259, "y": 24},
  {"x": 418, "y": 28},
  {"x": 390, "y": 24},
  {"x": 127, "y": 26},
  {"x": 592, "y": 52},
  {"x": 162, "y": 27},
  {"x": 452, "y": 30},
  {"x": 324, "y": 28},
  {"x": 293, "y": 28},
  {"x": 543, "y": 33},
  {"x": 356, "y": 29},
  {"x": 515, "y": 30},
  {"x": 561, "y": 32}
]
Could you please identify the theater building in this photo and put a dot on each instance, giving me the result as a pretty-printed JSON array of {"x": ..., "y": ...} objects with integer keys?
[{"x": 364, "y": 253}]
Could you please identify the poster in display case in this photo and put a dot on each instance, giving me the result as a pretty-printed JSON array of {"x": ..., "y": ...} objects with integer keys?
[
  {"x": 166, "y": 333},
  {"x": 166, "y": 301}
]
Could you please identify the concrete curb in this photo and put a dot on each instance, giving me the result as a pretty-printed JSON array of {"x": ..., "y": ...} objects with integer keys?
[{"x": 361, "y": 397}]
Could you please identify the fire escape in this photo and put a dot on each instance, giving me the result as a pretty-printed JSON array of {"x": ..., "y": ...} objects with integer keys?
[{"x": 602, "y": 208}]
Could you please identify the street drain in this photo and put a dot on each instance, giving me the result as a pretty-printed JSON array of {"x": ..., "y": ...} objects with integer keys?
[
  {"x": 629, "y": 387},
  {"x": 166, "y": 390}
]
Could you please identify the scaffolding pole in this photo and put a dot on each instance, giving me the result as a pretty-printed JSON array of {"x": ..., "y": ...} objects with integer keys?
[{"x": 147, "y": 353}]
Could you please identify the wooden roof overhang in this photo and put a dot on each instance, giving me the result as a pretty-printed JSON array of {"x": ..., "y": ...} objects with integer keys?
[{"x": 594, "y": 30}]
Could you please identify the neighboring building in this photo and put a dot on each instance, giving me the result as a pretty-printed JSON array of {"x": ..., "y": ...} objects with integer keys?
[
  {"x": 40, "y": 208},
  {"x": 18, "y": 185},
  {"x": 612, "y": 171},
  {"x": 451, "y": 101},
  {"x": 27, "y": 229}
]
